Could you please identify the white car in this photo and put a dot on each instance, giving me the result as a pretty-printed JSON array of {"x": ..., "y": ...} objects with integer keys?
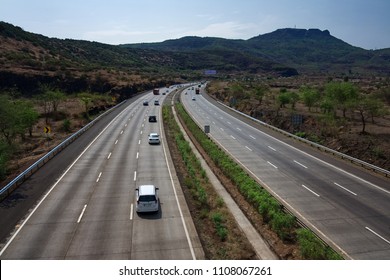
[
  {"x": 154, "y": 138},
  {"x": 193, "y": 98},
  {"x": 147, "y": 199}
]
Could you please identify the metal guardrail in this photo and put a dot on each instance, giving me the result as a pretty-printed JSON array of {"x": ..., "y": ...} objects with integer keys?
[
  {"x": 318, "y": 146},
  {"x": 11, "y": 186}
]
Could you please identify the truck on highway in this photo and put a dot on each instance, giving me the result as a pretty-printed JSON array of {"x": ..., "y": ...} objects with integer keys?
[
  {"x": 197, "y": 91},
  {"x": 156, "y": 91}
]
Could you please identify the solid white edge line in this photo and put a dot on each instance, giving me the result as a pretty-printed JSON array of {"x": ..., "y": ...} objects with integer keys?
[
  {"x": 81, "y": 214},
  {"x": 55, "y": 184},
  {"x": 313, "y": 192},
  {"x": 381, "y": 237},
  {"x": 344, "y": 188}
]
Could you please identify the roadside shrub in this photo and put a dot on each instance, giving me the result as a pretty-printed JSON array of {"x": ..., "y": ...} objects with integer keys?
[
  {"x": 300, "y": 134},
  {"x": 66, "y": 124},
  {"x": 202, "y": 195},
  {"x": 312, "y": 248},
  {"x": 283, "y": 224},
  {"x": 218, "y": 221}
]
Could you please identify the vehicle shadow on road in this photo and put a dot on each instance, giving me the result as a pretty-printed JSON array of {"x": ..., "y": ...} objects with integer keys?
[{"x": 152, "y": 215}]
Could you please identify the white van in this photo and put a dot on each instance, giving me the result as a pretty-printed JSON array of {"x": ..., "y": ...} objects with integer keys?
[{"x": 147, "y": 199}]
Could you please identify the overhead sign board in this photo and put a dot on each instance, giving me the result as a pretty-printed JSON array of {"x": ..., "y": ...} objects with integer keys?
[{"x": 210, "y": 72}]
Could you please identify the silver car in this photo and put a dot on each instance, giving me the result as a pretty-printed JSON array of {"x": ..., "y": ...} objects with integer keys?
[
  {"x": 154, "y": 138},
  {"x": 147, "y": 199}
]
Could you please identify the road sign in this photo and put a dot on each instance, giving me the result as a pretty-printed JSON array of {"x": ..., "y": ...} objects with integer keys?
[
  {"x": 210, "y": 72},
  {"x": 47, "y": 129}
]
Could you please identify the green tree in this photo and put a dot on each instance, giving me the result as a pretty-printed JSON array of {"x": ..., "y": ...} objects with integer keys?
[
  {"x": 283, "y": 99},
  {"x": 259, "y": 91},
  {"x": 294, "y": 98},
  {"x": 25, "y": 117},
  {"x": 16, "y": 117},
  {"x": 368, "y": 107},
  {"x": 6, "y": 119},
  {"x": 310, "y": 97},
  {"x": 87, "y": 99},
  {"x": 343, "y": 95}
]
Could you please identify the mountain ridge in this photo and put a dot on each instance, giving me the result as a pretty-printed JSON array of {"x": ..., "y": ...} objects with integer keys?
[
  {"x": 307, "y": 50},
  {"x": 28, "y": 59}
]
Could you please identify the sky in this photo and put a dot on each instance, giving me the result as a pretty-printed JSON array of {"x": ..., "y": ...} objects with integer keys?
[{"x": 361, "y": 23}]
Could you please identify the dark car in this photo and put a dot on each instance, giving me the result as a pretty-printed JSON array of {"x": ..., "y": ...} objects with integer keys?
[
  {"x": 146, "y": 103},
  {"x": 152, "y": 119}
]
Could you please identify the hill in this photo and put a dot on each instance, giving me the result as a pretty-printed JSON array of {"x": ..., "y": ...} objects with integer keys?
[
  {"x": 27, "y": 59},
  {"x": 308, "y": 51}
]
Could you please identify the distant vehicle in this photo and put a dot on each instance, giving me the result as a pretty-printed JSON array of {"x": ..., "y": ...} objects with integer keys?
[
  {"x": 154, "y": 138},
  {"x": 193, "y": 98},
  {"x": 152, "y": 119},
  {"x": 147, "y": 199},
  {"x": 146, "y": 103},
  {"x": 156, "y": 102},
  {"x": 197, "y": 90},
  {"x": 156, "y": 91}
]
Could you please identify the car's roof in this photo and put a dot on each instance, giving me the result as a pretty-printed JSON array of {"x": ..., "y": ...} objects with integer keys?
[
  {"x": 153, "y": 134},
  {"x": 146, "y": 189}
]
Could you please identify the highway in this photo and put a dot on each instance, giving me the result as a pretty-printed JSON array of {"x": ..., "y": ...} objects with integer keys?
[
  {"x": 89, "y": 210},
  {"x": 342, "y": 203}
]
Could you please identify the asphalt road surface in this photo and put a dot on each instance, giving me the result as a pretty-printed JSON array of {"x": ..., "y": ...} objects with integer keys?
[
  {"x": 346, "y": 204},
  {"x": 88, "y": 206}
]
